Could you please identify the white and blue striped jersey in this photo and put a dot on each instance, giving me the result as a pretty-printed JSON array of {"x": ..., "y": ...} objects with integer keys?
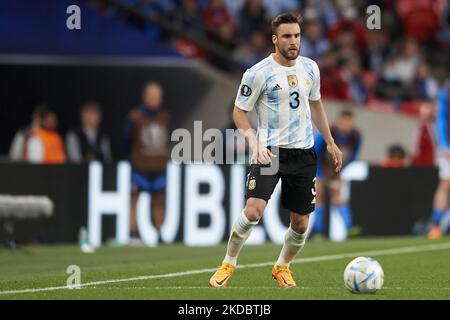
[{"x": 280, "y": 96}]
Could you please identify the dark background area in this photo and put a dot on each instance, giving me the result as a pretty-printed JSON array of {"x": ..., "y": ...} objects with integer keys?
[
  {"x": 397, "y": 214},
  {"x": 65, "y": 87}
]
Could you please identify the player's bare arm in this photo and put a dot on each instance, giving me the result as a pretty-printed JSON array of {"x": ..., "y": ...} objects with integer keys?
[
  {"x": 319, "y": 118},
  {"x": 240, "y": 118}
]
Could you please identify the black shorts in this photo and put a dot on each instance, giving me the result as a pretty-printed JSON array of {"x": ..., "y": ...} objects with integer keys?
[{"x": 297, "y": 170}]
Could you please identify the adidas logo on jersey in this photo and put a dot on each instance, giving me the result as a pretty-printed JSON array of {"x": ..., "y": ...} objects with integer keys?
[{"x": 277, "y": 87}]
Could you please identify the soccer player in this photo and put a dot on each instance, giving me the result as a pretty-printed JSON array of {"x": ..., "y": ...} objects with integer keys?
[
  {"x": 284, "y": 88},
  {"x": 348, "y": 139},
  {"x": 440, "y": 204}
]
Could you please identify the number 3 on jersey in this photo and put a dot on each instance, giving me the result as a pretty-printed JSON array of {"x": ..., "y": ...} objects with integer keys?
[{"x": 294, "y": 101}]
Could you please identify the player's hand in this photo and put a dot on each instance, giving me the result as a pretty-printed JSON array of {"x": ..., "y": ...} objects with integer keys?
[
  {"x": 336, "y": 154},
  {"x": 263, "y": 155}
]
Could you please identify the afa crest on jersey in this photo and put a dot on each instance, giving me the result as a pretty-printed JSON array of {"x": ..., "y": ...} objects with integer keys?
[
  {"x": 307, "y": 83},
  {"x": 292, "y": 80},
  {"x": 252, "y": 184}
]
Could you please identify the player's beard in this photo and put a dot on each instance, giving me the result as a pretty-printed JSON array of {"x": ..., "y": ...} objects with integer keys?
[{"x": 288, "y": 55}]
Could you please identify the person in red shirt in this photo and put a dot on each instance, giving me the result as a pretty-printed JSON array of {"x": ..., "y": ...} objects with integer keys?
[
  {"x": 420, "y": 18},
  {"x": 217, "y": 17},
  {"x": 424, "y": 146}
]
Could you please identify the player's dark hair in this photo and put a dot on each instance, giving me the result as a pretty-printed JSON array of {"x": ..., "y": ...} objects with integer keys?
[
  {"x": 152, "y": 83},
  {"x": 91, "y": 105},
  {"x": 346, "y": 113},
  {"x": 285, "y": 18},
  {"x": 44, "y": 113},
  {"x": 396, "y": 151},
  {"x": 40, "y": 111}
]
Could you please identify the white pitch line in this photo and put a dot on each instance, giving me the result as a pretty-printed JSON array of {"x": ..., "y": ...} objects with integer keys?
[
  {"x": 412, "y": 249},
  {"x": 274, "y": 287}
]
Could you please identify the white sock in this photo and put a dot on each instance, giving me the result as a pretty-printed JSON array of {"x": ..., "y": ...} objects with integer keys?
[
  {"x": 445, "y": 222},
  {"x": 293, "y": 243},
  {"x": 240, "y": 231}
]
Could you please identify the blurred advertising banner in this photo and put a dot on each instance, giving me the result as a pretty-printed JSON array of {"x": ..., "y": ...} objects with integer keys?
[{"x": 201, "y": 202}]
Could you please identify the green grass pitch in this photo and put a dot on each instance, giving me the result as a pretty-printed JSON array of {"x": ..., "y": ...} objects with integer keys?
[{"x": 414, "y": 267}]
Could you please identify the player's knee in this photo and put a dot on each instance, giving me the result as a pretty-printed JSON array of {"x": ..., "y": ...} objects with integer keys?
[
  {"x": 299, "y": 226},
  {"x": 253, "y": 211},
  {"x": 444, "y": 185}
]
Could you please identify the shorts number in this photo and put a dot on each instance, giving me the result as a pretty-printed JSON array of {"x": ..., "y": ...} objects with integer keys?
[{"x": 295, "y": 102}]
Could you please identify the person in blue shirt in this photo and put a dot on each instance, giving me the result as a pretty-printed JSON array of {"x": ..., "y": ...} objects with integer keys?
[
  {"x": 440, "y": 203},
  {"x": 348, "y": 140}
]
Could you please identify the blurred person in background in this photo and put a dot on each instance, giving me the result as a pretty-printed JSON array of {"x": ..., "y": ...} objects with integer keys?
[
  {"x": 274, "y": 8},
  {"x": 420, "y": 18},
  {"x": 188, "y": 15},
  {"x": 443, "y": 35},
  {"x": 16, "y": 151},
  {"x": 314, "y": 42},
  {"x": 88, "y": 142},
  {"x": 406, "y": 61},
  {"x": 271, "y": 7},
  {"x": 440, "y": 203},
  {"x": 44, "y": 144},
  {"x": 396, "y": 157},
  {"x": 425, "y": 84},
  {"x": 349, "y": 22},
  {"x": 389, "y": 87},
  {"x": 348, "y": 138},
  {"x": 234, "y": 7},
  {"x": 379, "y": 49},
  {"x": 218, "y": 18},
  {"x": 327, "y": 11},
  {"x": 345, "y": 46},
  {"x": 333, "y": 85},
  {"x": 147, "y": 147},
  {"x": 250, "y": 52},
  {"x": 252, "y": 18},
  {"x": 352, "y": 75}
]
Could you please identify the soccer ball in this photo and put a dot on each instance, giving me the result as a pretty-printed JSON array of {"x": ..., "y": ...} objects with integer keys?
[{"x": 363, "y": 275}]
